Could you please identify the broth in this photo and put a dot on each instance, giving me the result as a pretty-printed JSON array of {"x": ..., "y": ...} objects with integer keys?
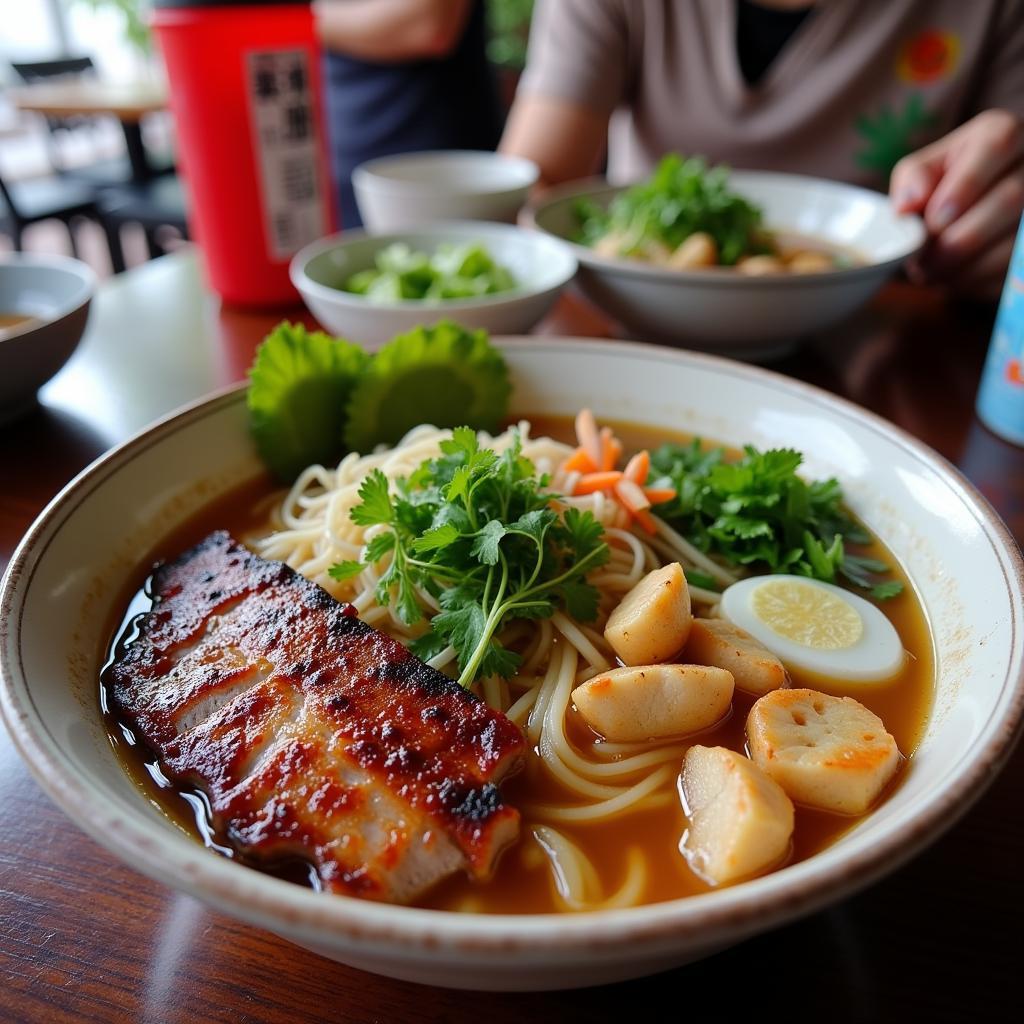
[
  {"x": 523, "y": 881},
  {"x": 13, "y": 321},
  {"x": 789, "y": 243}
]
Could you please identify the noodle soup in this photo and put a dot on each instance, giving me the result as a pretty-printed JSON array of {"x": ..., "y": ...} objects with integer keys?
[{"x": 602, "y": 822}]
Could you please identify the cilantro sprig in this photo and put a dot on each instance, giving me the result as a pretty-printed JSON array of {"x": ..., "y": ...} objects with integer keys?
[
  {"x": 756, "y": 512},
  {"x": 475, "y": 529}
]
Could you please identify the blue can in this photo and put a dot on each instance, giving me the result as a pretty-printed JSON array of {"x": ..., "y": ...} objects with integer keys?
[{"x": 1000, "y": 403}]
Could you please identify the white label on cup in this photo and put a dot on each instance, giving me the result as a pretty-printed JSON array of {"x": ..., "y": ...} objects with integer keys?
[{"x": 284, "y": 127}]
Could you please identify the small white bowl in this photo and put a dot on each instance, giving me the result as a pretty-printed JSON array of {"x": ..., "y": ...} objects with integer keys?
[
  {"x": 67, "y": 582},
  {"x": 723, "y": 311},
  {"x": 55, "y": 292},
  {"x": 398, "y": 192},
  {"x": 541, "y": 266}
]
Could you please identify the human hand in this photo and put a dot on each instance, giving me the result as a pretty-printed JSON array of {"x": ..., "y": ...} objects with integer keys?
[{"x": 969, "y": 187}]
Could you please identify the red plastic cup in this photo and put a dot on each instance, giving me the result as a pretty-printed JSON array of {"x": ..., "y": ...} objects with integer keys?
[{"x": 245, "y": 91}]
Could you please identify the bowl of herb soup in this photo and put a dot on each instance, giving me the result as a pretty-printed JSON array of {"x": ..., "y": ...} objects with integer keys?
[{"x": 800, "y": 254}]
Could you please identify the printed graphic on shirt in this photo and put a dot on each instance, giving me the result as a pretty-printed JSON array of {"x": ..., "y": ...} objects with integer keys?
[
  {"x": 891, "y": 133},
  {"x": 929, "y": 57}
]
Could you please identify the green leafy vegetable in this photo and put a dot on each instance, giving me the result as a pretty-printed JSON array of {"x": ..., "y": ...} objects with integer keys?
[
  {"x": 443, "y": 375},
  {"x": 757, "y": 512},
  {"x": 312, "y": 397},
  {"x": 464, "y": 271},
  {"x": 704, "y": 580},
  {"x": 300, "y": 384},
  {"x": 475, "y": 529},
  {"x": 341, "y": 571},
  {"x": 681, "y": 197}
]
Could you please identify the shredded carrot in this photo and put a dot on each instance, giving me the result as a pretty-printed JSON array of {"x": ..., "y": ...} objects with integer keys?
[
  {"x": 657, "y": 495},
  {"x": 631, "y": 495},
  {"x": 591, "y": 482},
  {"x": 580, "y": 461},
  {"x": 587, "y": 435},
  {"x": 646, "y": 520},
  {"x": 595, "y": 459},
  {"x": 638, "y": 467},
  {"x": 610, "y": 449},
  {"x": 616, "y": 450}
]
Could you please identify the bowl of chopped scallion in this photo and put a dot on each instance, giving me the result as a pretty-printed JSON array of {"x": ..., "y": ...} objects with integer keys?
[{"x": 371, "y": 287}]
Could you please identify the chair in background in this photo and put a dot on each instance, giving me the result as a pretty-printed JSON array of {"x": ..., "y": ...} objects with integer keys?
[
  {"x": 28, "y": 202},
  {"x": 154, "y": 205},
  {"x": 101, "y": 173}
]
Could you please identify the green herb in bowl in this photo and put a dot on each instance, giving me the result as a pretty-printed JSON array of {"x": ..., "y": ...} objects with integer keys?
[
  {"x": 682, "y": 198},
  {"x": 463, "y": 271}
]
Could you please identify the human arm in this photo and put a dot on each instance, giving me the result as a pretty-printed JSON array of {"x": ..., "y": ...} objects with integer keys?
[
  {"x": 389, "y": 31},
  {"x": 576, "y": 74},
  {"x": 563, "y": 138}
]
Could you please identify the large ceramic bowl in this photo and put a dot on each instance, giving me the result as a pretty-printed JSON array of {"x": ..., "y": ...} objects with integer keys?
[
  {"x": 67, "y": 582},
  {"x": 541, "y": 267},
  {"x": 395, "y": 193},
  {"x": 723, "y": 311},
  {"x": 54, "y": 292}
]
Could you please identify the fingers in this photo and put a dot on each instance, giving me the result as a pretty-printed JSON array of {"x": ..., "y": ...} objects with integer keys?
[
  {"x": 991, "y": 218},
  {"x": 969, "y": 187},
  {"x": 914, "y": 178},
  {"x": 979, "y": 154}
]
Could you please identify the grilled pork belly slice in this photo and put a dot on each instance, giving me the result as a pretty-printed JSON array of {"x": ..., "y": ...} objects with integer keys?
[{"x": 310, "y": 732}]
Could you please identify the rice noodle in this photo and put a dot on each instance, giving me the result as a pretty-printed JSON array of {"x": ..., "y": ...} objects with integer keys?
[{"x": 576, "y": 880}]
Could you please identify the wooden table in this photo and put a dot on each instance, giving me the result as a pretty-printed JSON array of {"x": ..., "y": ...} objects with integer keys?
[
  {"x": 86, "y": 939},
  {"x": 129, "y": 102}
]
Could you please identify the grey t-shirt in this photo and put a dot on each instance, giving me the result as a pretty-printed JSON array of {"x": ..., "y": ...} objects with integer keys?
[{"x": 860, "y": 83}]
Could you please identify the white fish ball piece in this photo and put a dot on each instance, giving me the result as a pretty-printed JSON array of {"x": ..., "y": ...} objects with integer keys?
[
  {"x": 741, "y": 822},
  {"x": 652, "y": 622},
  {"x": 627, "y": 705}
]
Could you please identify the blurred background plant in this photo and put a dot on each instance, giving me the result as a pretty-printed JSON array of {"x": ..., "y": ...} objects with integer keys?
[
  {"x": 134, "y": 16},
  {"x": 509, "y": 29}
]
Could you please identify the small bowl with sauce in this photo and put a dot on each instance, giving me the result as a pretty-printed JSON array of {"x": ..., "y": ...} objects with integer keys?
[
  {"x": 753, "y": 314},
  {"x": 44, "y": 305}
]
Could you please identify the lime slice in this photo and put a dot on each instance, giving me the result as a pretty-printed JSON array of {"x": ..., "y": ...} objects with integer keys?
[{"x": 807, "y": 615}]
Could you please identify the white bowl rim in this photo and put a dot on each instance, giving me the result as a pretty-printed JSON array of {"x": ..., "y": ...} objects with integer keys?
[
  {"x": 271, "y": 902},
  {"x": 371, "y": 173},
  {"x": 721, "y": 277},
  {"x": 49, "y": 261},
  {"x": 470, "y": 229}
]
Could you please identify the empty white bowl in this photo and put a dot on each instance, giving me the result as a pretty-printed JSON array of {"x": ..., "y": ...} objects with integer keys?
[
  {"x": 54, "y": 291},
  {"x": 723, "y": 311},
  {"x": 70, "y": 578},
  {"x": 397, "y": 192},
  {"x": 541, "y": 266}
]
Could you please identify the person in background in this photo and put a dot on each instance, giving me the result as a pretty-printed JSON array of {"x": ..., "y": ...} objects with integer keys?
[
  {"x": 923, "y": 97},
  {"x": 401, "y": 76}
]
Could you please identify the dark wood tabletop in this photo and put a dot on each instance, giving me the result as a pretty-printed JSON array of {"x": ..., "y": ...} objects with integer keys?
[{"x": 87, "y": 939}]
